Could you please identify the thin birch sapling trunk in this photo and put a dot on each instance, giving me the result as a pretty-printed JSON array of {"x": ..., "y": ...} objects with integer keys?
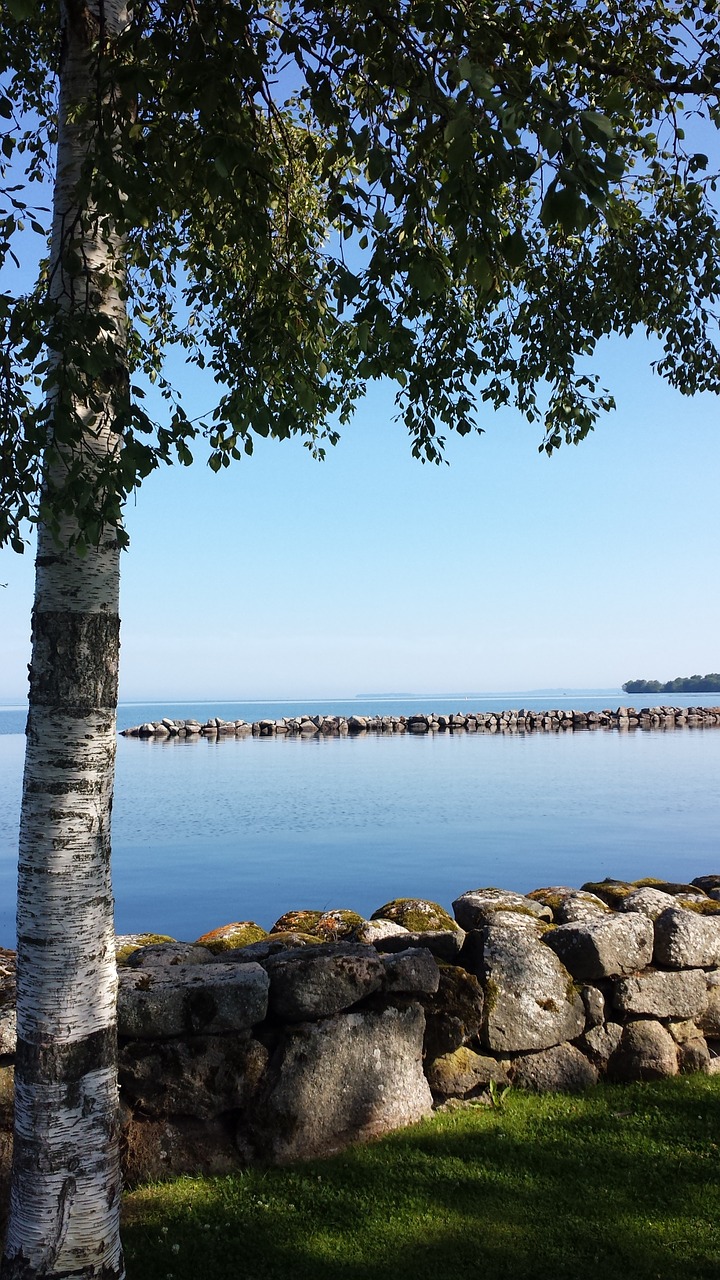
[{"x": 64, "y": 1216}]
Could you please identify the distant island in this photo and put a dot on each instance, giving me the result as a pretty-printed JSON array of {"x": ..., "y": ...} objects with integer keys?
[{"x": 682, "y": 684}]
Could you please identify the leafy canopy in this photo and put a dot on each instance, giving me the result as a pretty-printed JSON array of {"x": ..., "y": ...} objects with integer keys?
[{"x": 464, "y": 198}]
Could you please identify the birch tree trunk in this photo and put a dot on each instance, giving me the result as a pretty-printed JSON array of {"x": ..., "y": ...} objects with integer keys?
[{"x": 64, "y": 1217}]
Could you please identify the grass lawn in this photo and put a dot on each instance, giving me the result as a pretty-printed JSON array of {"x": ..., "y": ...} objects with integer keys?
[{"x": 622, "y": 1182}]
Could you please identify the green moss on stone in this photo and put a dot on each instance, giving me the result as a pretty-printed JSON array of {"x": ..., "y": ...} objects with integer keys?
[
  {"x": 231, "y": 937},
  {"x": 492, "y": 993},
  {"x": 610, "y": 891},
  {"x": 336, "y": 925},
  {"x": 416, "y": 914},
  {"x": 709, "y": 908},
  {"x": 297, "y": 922},
  {"x": 133, "y": 942},
  {"x": 666, "y": 886}
]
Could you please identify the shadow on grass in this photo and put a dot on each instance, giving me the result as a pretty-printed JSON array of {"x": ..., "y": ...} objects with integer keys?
[{"x": 623, "y": 1181}]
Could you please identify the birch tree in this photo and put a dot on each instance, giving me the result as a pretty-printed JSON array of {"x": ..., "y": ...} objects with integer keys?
[{"x": 300, "y": 197}]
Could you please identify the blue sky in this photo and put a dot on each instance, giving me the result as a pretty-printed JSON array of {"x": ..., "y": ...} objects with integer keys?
[{"x": 285, "y": 577}]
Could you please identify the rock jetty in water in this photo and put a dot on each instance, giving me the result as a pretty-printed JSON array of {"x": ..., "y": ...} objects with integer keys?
[{"x": 513, "y": 721}]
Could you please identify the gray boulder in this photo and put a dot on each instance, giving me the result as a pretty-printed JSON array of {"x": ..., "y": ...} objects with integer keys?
[
  {"x": 340, "y": 1081},
  {"x": 709, "y": 1020},
  {"x": 453, "y": 1015},
  {"x": 8, "y": 1022},
  {"x": 462, "y": 1072},
  {"x": 155, "y": 1150},
  {"x": 646, "y": 1052},
  {"x": 594, "y": 1001},
  {"x": 648, "y": 902},
  {"x": 680, "y": 994},
  {"x": 316, "y": 982},
  {"x": 685, "y": 940},
  {"x": 603, "y": 947},
  {"x": 413, "y": 972},
  {"x": 568, "y": 905},
  {"x": 373, "y": 931},
  {"x": 165, "y": 954},
  {"x": 599, "y": 1043},
  {"x": 694, "y": 1056},
  {"x": 7, "y": 1095},
  {"x": 8, "y": 1028},
  {"x": 707, "y": 884},
  {"x": 445, "y": 944},
  {"x": 191, "y": 1000},
  {"x": 201, "y": 1076},
  {"x": 530, "y": 1000},
  {"x": 561, "y": 1069},
  {"x": 475, "y": 909}
]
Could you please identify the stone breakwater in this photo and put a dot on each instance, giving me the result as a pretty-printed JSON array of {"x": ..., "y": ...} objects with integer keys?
[
  {"x": 513, "y": 721},
  {"x": 246, "y": 1046}
]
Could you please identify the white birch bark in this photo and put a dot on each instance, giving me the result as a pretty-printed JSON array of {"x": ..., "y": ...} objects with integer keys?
[{"x": 64, "y": 1218}]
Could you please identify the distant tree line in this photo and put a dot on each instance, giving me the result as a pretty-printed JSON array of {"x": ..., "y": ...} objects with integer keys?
[{"x": 682, "y": 684}]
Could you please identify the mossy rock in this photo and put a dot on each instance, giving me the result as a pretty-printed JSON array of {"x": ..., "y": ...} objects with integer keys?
[
  {"x": 552, "y": 897},
  {"x": 230, "y": 937},
  {"x": 126, "y": 943},
  {"x": 297, "y": 922},
  {"x": 339, "y": 925},
  {"x": 418, "y": 915},
  {"x": 707, "y": 908},
  {"x": 667, "y": 886},
  {"x": 611, "y": 891},
  {"x": 454, "y": 1014}
]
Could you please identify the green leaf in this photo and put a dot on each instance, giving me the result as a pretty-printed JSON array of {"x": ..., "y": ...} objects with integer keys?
[{"x": 597, "y": 126}]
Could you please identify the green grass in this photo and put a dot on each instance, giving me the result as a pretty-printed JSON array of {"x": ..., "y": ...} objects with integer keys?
[{"x": 623, "y": 1182}]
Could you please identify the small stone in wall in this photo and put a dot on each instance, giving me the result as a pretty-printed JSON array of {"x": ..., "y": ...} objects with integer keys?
[
  {"x": 445, "y": 944},
  {"x": 297, "y": 922},
  {"x": 126, "y": 943},
  {"x": 679, "y": 994},
  {"x": 272, "y": 945},
  {"x": 685, "y": 940},
  {"x": 568, "y": 905},
  {"x": 594, "y": 1001},
  {"x": 694, "y": 1056},
  {"x": 316, "y": 982},
  {"x": 164, "y": 954},
  {"x": 7, "y": 1094},
  {"x": 530, "y": 999},
  {"x": 604, "y": 946},
  {"x": 648, "y": 902},
  {"x": 453, "y": 1015},
  {"x": 610, "y": 891},
  {"x": 373, "y": 931},
  {"x": 560, "y": 1069},
  {"x": 413, "y": 972},
  {"x": 599, "y": 1043},
  {"x": 419, "y": 915},
  {"x": 241, "y": 933},
  {"x": 474, "y": 909},
  {"x": 646, "y": 1052},
  {"x": 462, "y": 1072},
  {"x": 709, "y": 1020},
  {"x": 191, "y": 1000}
]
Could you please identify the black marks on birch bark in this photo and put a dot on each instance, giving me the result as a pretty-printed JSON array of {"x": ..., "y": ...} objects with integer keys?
[{"x": 75, "y": 661}]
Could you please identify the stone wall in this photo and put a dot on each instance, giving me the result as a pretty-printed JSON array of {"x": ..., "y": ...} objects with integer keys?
[
  {"x": 331, "y": 1029},
  {"x": 514, "y": 721}
]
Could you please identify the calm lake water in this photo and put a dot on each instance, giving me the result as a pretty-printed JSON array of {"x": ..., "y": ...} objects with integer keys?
[{"x": 208, "y": 832}]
